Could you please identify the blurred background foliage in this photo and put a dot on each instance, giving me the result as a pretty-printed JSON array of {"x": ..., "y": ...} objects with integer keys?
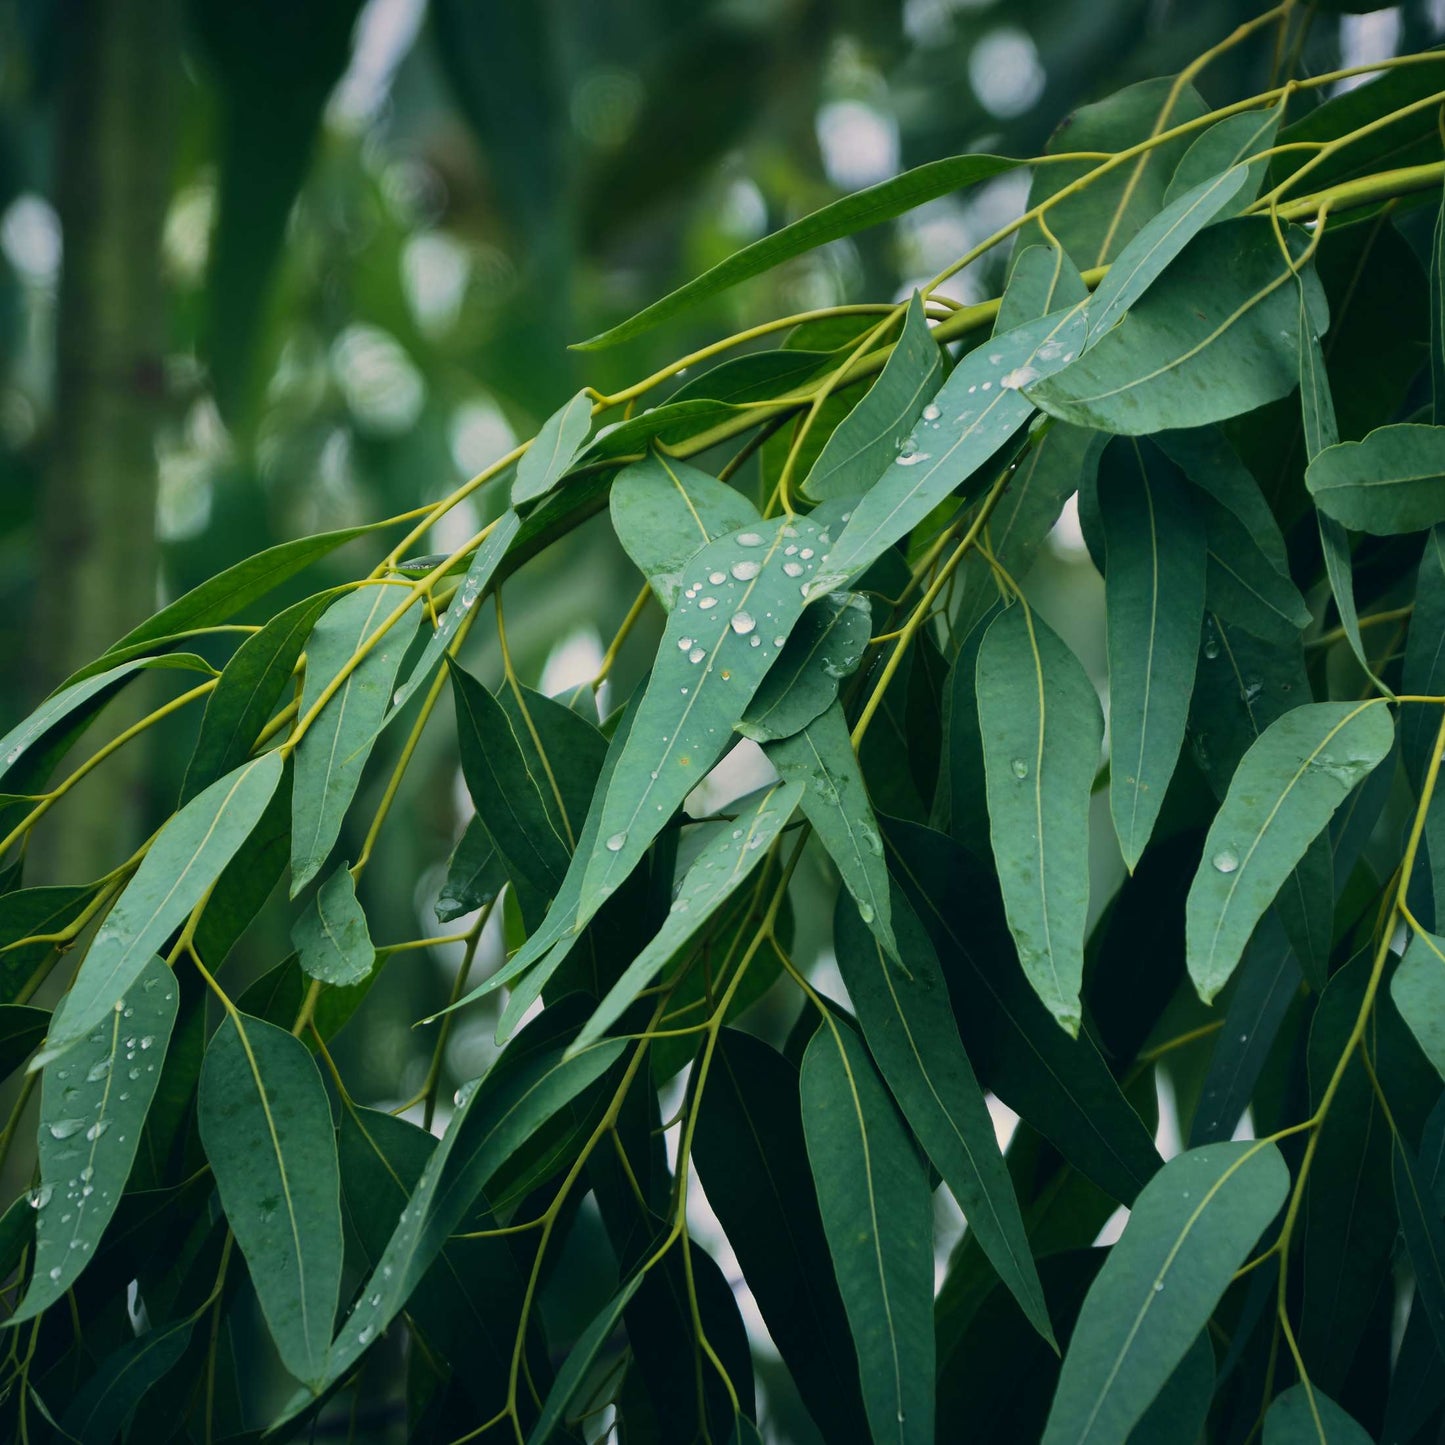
[{"x": 277, "y": 267}]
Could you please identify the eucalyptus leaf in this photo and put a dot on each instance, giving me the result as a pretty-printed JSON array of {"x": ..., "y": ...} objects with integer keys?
[
  {"x": 1305, "y": 1415},
  {"x": 562, "y": 436},
  {"x": 105, "y": 1403},
  {"x": 1190, "y": 1229},
  {"x": 1424, "y": 1233},
  {"x": 1042, "y": 279},
  {"x": 1393, "y": 481},
  {"x": 331, "y": 938},
  {"x": 1041, "y": 727},
  {"x": 1235, "y": 140},
  {"x": 1423, "y": 673},
  {"x": 1418, "y": 988}
]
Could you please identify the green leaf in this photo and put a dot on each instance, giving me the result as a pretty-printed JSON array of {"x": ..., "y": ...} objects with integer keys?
[
  {"x": 104, "y": 1404},
  {"x": 722, "y": 866},
  {"x": 222, "y": 597},
  {"x": 867, "y": 440},
  {"x": 1437, "y": 317},
  {"x": 918, "y": 1050},
  {"x": 247, "y": 692},
  {"x": 485, "y": 561},
  {"x": 1042, "y": 729},
  {"x": 490, "y": 1125},
  {"x": 184, "y": 860},
  {"x": 335, "y": 747},
  {"x": 744, "y": 596},
  {"x": 574, "y": 1372},
  {"x": 331, "y": 938},
  {"x": 1424, "y": 1233},
  {"x": 1181, "y": 1407},
  {"x": 93, "y": 1105},
  {"x": 1097, "y": 221},
  {"x": 752, "y": 1158},
  {"x": 1424, "y": 668},
  {"x": 1157, "y": 243},
  {"x": 979, "y": 408},
  {"x": 21, "y": 1031},
  {"x": 265, "y": 1122},
  {"x": 877, "y": 1215},
  {"x": 842, "y": 218},
  {"x": 78, "y": 701},
  {"x": 562, "y": 436},
  {"x": 475, "y": 874},
  {"x": 824, "y": 648},
  {"x": 1190, "y": 1229},
  {"x": 1242, "y": 584},
  {"x": 1042, "y": 279},
  {"x": 820, "y": 760},
  {"x": 1154, "y": 598},
  {"x": 1304, "y": 1415},
  {"x": 509, "y": 796},
  {"x": 1282, "y": 795},
  {"x": 1215, "y": 336},
  {"x": 1228, "y": 142},
  {"x": 1393, "y": 481},
  {"x": 1418, "y": 989},
  {"x": 665, "y": 512}
]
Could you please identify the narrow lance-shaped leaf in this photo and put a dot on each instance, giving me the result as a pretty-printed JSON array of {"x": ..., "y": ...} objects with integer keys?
[
  {"x": 723, "y": 865},
  {"x": 331, "y": 937},
  {"x": 865, "y": 208},
  {"x": 334, "y": 750},
  {"x": 562, "y": 435},
  {"x": 484, "y": 563},
  {"x": 868, "y": 438},
  {"x": 93, "y": 1106},
  {"x": 1392, "y": 481},
  {"x": 878, "y": 1218},
  {"x": 1418, "y": 989},
  {"x": 265, "y": 1122},
  {"x": 1042, "y": 279},
  {"x": 1424, "y": 1233},
  {"x": 1305, "y": 1415},
  {"x": 1190, "y": 1229},
  {"x": 979, "y": 408},
  {"x": 184, "y": 860},
  {"x": 1424, "y": 667},
  {"x": 1042, "y": 729},
  {"x": 1437, "y": 317},
  {"x": 1154, "y": 599},
  {"x": 105, "y": 1403},
  {"x": 474, "y": 873},
  {"x": 1282, "y": 795},
  {"x": 665, "y": 512},
  {"x": 1229, "y": 142},
  {"x": 743, "y": 597},
  {"x": 821, "y": 761},
  {"x": 902, "y": 1006},
  {"x": 247, "y": 692},
  {"x": 1213, "y": 337}
]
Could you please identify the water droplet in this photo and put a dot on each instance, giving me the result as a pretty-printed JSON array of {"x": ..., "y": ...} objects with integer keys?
[
  {"x": 97, "y": 1071},
  {"x": 779, "y": 641},
  {"x": 365, "y": 1334},
  {"x": 376, "y": 1300},
  {"x": 87, "y": 1174},
  {"x": 64, "y": 1128},
  {"x": 1226, "y": 860},
  {"x": 717, "y": 578},
  {"x": 97, "y": 1129},
  {"x": 683, "y": 643},
  {"x": 755, "y": 642},
  {"x": 1158, "y": 1286},
  {"x": 912, "y": 458},
  {"x": 40, "y": 1197},
  {"x": 617, "y": 842},
  {"x": 791, "y": 550},
  {"x": 707, "y": 602},
  {"x": 865, "y": 909},
  {"x": 806, "y": 553},
  {"x": 749, "y": 539},
  {"x": 1018, "y": 378},
  {"x": 697, "y": 654},
  {"x": 742, "y": 623},
  {"x": 1020, "y": 768},
  {"x": 147, "y": 1041},
  {"x": 1211, "y": 648},
  {"x": 793, "y": 569},
  {"x": 55, "y": 1273},
  {"x": 746, "y": 571},
  {"x": 931, "y": 412}
]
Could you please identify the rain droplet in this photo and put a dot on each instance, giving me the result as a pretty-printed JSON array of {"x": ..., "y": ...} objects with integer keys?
[
  {"x": 39, "y": 1198},
  {"x": 64, "y": 1128},
  {"x": 931, "y": 412},
  {"x": 755, "y": 641},
  {"x": 1019, "y": 377},
  {"x": 717, "y": 578},
  {"x": 617, "y": 842},
  {"x": 1211, "y": 648},
  {"x": 1158, "y": 1286},
  {"x": 683, "y": 643},
  {"x": 697, "y": 654},
  {"x": 707, "y": 602},
  {"x": 793, "y": 569},
  {"x": 779, "y": 641},
  {"x": 1226, "y": 860},
  {"x": 97, "y": 1071},
  {"x": 147, "y": 1041},
  {"x": 746, "y": 571},
  {"x": 749, "y": 539},
  {"x": 97, "y": 1129},
  {"x": 806, "y": 553},
  {"x": 742, "y": 623},
  {"x": 55, "y": 1273},
  {"x": 1020, "y": 768}
]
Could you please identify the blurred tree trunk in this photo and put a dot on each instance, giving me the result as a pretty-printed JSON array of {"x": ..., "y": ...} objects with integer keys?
[{"x": 117, "y": 121}]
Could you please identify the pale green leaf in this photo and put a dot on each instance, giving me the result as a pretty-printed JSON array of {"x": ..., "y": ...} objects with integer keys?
[
  {"x": 562, "y": 436},
  {"x": 722, "y": 866},
  {"x": 265, "y": 1122},
  {"x": 1392, "y": 481},
  {"x": 980, "y": 406},
  {"x": 184, "y": 860},
  {"x": 331, "y": 938},
  {"x": 475, "y": 874},
  {"x": 1213, "y": 337},
  {"x": 1229, "y": 142},
  {"x": 878, "y": 1217},
  {"x": 332, "y": 754},
  {"x": 664, "y": 512},
  {"x": 1283, "y": 793},
  {"x": 1041, "y": 727},
  {"x": 1189, "y": 1230},
  {"x": 857, "y": 212},
  {"x": 866, "y": 441},
  {"x": 821, "y": 761},
  {"x": 93, "y": 1106},
  {"x": 825, "y": 647},
  {"x": 1424, "y": 668},
  {"x": 1042, "y": 279},
  {"x": 1418, "y": 989},
  {"x": 1180, "y": 1409},
  {"x": 903, "y": 1007},
  {"x": 1154, "y": 601},
  {"x": 1304, "y": 1415}
]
